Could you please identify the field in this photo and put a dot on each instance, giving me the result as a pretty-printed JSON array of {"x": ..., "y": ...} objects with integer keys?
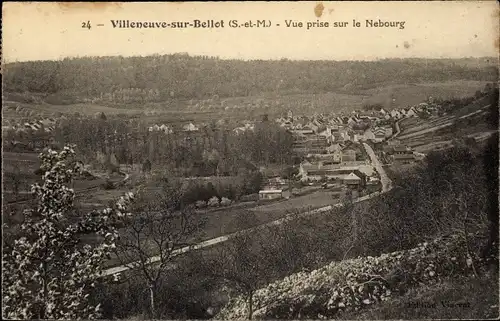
[
  {"x": 252, "y": 107},
  {"x": 298, "y": 204},
  {"x": 19, "y": 168},
  {"x": 413, "y": 94},
  {"x": 439, "y": 132}
]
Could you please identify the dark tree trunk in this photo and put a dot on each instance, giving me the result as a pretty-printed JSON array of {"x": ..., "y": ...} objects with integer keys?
[
  {"x": 250, "y": 305},
  {"x": 152, "y": 300}
]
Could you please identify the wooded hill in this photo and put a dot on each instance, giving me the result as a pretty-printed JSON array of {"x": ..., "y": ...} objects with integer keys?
[{"x": 157, "y": 78}]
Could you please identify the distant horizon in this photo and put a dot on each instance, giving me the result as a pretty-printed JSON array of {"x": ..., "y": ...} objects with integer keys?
[{"x": 195, "y": 55}]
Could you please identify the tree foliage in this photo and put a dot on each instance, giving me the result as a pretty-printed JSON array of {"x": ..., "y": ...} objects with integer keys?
[
  {"x": 160, "y": 78},
  {"x": 49, "y": 272}
]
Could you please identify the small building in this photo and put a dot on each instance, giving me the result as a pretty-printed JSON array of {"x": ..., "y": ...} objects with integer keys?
[
  {"x": 400, "y": 159},
  {"x": 379, "y": 134},
  {"x": 394, "y": 142},
  {"x": 190, "y": 127},
  {"x": 166, "y": 129},
  {"x": 348, "y": 155},
  {"x": 352, "y": 180},
  {"x": 270, "y": 194},
  {"x": 401, "y": 149}
]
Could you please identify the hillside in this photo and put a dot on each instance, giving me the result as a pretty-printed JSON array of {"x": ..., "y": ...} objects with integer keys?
[
  {"x": 352, "y": 285},
  {"x": 179, "y": 76}
]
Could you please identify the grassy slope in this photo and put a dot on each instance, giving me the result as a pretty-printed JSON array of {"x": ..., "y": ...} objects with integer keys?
[{"x": 307, "y": 294}]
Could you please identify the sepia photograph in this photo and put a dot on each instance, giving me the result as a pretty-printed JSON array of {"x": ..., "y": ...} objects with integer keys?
[{"x": 250, "y": 160}]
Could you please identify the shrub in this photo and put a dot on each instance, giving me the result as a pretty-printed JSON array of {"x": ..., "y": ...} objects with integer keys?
[
  {"x": 225, "y": 201},
  {"x": 201, "y": 204},
  {"x": 213, "y": 201}
]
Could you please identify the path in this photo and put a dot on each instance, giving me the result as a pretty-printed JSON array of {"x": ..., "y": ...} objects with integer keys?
[{"x": 386, "y": 182}]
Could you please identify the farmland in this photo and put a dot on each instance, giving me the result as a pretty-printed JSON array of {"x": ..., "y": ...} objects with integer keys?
[
  {"x": 439, "y": 132},
  {"x": 248, "y": 107}
]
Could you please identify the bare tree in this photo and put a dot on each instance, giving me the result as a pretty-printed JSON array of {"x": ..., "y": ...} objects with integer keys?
[
  {"x": 155, "y": 236},
  {"x": 242, "y": 265}
]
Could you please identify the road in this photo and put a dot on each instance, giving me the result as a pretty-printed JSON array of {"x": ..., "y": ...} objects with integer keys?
[
  {"x": 224, "y": 238},
  {"x": 398, "y": 130},
  {"x": 386, "y": 181}
]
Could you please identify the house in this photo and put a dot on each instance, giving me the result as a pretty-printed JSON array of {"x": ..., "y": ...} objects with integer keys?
[
  {"x": 299, "y": 130},
  {"x": 400, "y": 159},
  {"x": 338, "y": 137},
  {"x": 395, "y": 114},
  {"x": 348, "y": 155},
  {"x": 388, "y": 131},
  {"x": 154, "y": 128},
  {"x": 412, "y": 112},
  {"x": 326, "y": 132},
  {"x": 246, "y": 127},
  {"x": 351, "y": 121},
  {"x": 316, "y": 170},
  {"x": 190, "y": 127},
  {"x": 379, "y": 134},
  {"x": 276, "y": 181},
  {"x": 397, "y": 150},
  {"x": 270, "y": 194},
  {"x": 334, "y": 148},
  {"x": 369, "y": 135},
  {"x": 166, "y": 129},
  {"x": 352, "y": 180},
  {"x": 394, "y": 142},
  {"x": 350, "y": 151},
  {"x": 401, "y": 149}
]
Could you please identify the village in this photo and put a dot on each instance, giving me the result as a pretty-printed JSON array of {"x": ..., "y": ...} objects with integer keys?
[
  {"x": 333, "y": 149},
  {"x": 330, "y": 149}
]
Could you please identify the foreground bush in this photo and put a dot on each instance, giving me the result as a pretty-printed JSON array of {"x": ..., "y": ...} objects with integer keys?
[
  {"x": 352, "y": 284},
  {"x": 49, "y": 271}
]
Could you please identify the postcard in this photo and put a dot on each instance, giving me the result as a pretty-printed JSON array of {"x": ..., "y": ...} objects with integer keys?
[{"x": 250, "y": 160}]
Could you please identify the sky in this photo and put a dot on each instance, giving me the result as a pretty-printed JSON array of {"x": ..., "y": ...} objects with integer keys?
[{"x": 449, "y": 29}]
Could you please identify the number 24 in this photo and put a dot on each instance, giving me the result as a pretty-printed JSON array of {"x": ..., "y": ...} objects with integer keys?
[{"x": 86, "y": 24}]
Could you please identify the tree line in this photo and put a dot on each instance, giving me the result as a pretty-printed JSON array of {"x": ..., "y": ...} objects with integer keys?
[{"x": 212, "y": 151}]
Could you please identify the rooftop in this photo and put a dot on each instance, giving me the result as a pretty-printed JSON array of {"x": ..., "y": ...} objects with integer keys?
[
  {"x": 352, "y": 177},
  {"x": 404, "y": 156},
  {"x": 271, "y": 191}
]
